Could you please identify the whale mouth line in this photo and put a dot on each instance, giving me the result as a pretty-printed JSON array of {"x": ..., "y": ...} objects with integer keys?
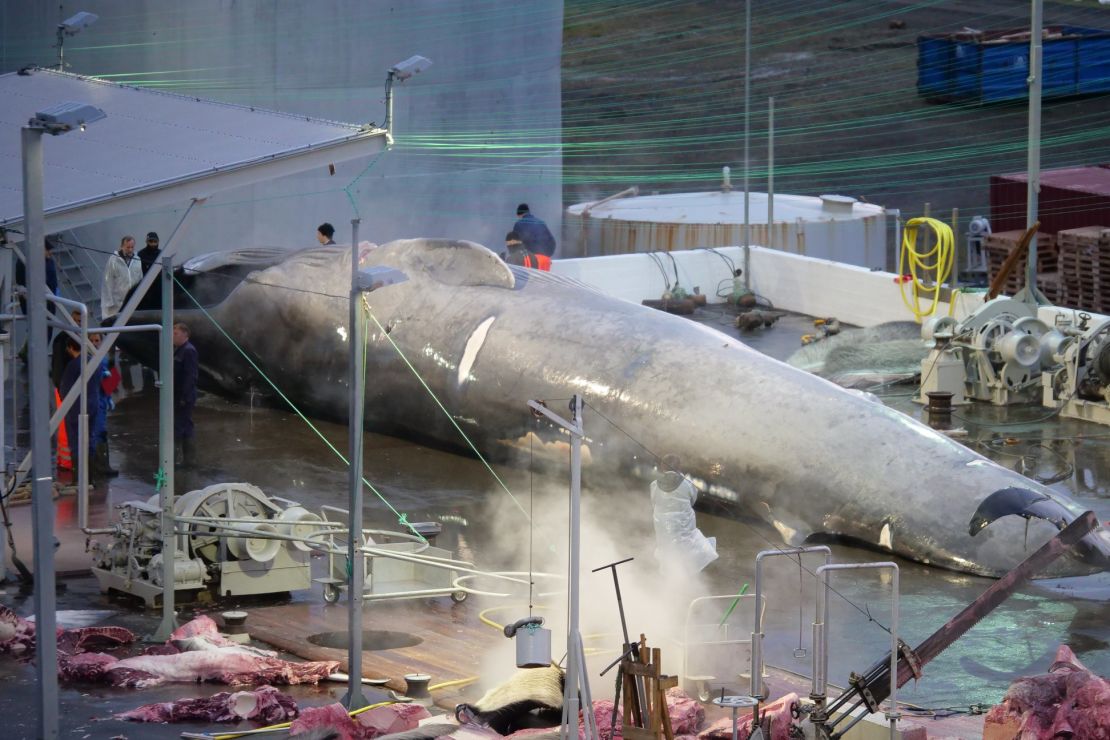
[
  {"x": 1021, "y": 502},
  {"x": 1091, "y": 549}
]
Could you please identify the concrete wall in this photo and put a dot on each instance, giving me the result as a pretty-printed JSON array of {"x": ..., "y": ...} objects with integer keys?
[
  {"x": 807, "y": 285},
  {"x": 495, "y": 81}
]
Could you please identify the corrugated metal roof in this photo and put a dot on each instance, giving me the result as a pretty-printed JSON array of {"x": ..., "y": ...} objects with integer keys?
[{"x": 153, "y": 141}]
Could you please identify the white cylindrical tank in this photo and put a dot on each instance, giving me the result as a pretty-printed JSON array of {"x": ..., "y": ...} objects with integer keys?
[
  {"x": 832, "y": 227},
  {"x": 476, "y": 134}
]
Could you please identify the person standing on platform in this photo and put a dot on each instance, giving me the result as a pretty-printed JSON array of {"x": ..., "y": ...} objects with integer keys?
[
  {"x": 185, "y": 371},
  {"x": 533, "y": 232},
  {"x": 149, "y": 254},
  {"x": 70, "y": 378},
  {"x": 122, "y": 272},
  {"x": 59, "y": 360}
]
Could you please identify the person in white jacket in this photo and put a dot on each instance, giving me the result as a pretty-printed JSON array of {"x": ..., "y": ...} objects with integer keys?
[{"x": 122, "y": 271}]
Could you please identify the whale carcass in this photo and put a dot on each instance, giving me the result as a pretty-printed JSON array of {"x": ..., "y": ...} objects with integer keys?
[{"x": 797, "y": 451}]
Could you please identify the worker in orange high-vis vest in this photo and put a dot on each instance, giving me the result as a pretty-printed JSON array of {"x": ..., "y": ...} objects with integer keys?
[
  {"x": 538, "y": 262},
  {"x": 517, "y": 254}
]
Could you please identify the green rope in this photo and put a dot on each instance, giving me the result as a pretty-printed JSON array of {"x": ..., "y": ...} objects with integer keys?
[
  {"x": 401, "y": 518},
  {"x": 443, "y": 408}
]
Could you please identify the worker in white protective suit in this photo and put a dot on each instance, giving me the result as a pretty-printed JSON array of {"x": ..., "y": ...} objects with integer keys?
[
  {"x": 122, "y": 272},
  {"x": 680, "y": 547}
]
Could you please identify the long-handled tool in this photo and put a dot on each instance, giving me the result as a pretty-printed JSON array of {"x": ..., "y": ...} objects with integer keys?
[{"x": 628, "y": 649}]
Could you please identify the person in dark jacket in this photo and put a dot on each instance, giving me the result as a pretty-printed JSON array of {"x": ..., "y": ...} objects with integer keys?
[
  {"x": 70, "y": 378},
  {"x": 149, "y": 254},
  {"x": 534, "y": 233},
  {"x": 185, "y": 371}
]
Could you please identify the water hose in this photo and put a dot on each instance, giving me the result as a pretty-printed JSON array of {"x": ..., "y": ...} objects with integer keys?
[{"x": 936, "y": 262}]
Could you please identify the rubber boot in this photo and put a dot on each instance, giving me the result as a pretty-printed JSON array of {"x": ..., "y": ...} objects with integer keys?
[
  {"x": 102, "y": 463},
  {"x": 188, "y": 452}
]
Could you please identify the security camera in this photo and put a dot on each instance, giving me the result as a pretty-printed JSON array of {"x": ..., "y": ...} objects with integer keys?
[
  {"x": 414, "y": 65},
  {"x": 76, "y": 24}
]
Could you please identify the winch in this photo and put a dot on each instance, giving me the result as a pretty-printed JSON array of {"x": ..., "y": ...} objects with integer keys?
[
  {"x": 1080, "y": 387},
  {"x": 997, "y": 354},
  {"x": 228, "y": 542}
]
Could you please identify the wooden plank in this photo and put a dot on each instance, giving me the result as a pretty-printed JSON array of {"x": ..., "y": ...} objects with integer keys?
[{"x": 450, "y": 649}]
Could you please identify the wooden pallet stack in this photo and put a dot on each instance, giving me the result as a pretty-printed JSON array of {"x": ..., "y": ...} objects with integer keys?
[
  {"x": 1085, "y": 267},
  {"x": 998, "y": 248}
]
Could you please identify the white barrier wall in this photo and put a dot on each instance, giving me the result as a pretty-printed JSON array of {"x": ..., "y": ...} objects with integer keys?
[{"x": 855, "y": 295}]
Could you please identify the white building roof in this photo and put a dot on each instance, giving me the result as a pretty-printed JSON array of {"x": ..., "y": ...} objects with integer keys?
[
  {"x": 154, "y": 148},
  {"x": 726, "y": 208}
]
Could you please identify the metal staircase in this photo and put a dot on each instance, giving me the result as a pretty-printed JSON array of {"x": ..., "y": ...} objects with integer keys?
[{"x": 78, "y": 274}]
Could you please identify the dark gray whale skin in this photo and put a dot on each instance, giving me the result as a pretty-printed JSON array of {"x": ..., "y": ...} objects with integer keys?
[{"x": 804, "y": 455}]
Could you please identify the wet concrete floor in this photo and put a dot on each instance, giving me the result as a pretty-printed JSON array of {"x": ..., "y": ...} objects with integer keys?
[{"x": 285, "y": 456}]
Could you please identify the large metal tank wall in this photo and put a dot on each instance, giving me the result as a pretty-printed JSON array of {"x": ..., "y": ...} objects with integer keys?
[
  {"x": 495, "y": 77},
  {"x": 829, "y": 227}
]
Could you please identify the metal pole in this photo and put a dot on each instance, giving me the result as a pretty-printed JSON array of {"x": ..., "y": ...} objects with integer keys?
[
  {"x": 771, "y": 171},
  {"x": 389, "y": 108},
  {"x": 747, "y": 138},
  {"x": 821, "y": 618},
  {"x": 166, "y": 456},
  {"x": 756, "y": 681},
  {"x": 576, "y": 684},
  {"x": 42, "y": 489},
  {"x": 1033, "y": 165},
  {"x": 82, "y": 448},
  {"x": 356, "y": 564},
  {"x": 574, "y": 668},
  {"x": 955, "y": 249}
]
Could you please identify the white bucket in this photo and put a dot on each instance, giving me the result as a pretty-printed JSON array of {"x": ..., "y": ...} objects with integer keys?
[{"x": 533, "y": 647}]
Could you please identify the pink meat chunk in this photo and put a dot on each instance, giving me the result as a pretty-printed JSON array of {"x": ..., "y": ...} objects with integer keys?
[
  {"x": 1068, "y": 701},
  {"x": 17, "y": 636},
  {"x": 91, "y": 638},
  {"x": 218, "y": 666},
  {"x": 265, "y": 704},
  {"x": 370, "y": 724},
  {"x": 686, "y": 714},
  {"x": 202, "y": 625},
  {"x": 232, "y": 668},
  {"x": 86, "y": 667}
]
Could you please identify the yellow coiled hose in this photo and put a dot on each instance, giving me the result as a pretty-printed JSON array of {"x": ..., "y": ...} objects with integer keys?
[{"x": 935, "y": 264}]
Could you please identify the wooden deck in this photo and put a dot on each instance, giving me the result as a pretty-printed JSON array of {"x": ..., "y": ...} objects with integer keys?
[{"x": 452, "y": 644}]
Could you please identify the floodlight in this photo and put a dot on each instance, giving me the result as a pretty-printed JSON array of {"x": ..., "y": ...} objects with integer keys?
[
  {"x": 66, "y": 116},
  {"x": 414, "y": 65},
  {"x": 76, "y": 24}
]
